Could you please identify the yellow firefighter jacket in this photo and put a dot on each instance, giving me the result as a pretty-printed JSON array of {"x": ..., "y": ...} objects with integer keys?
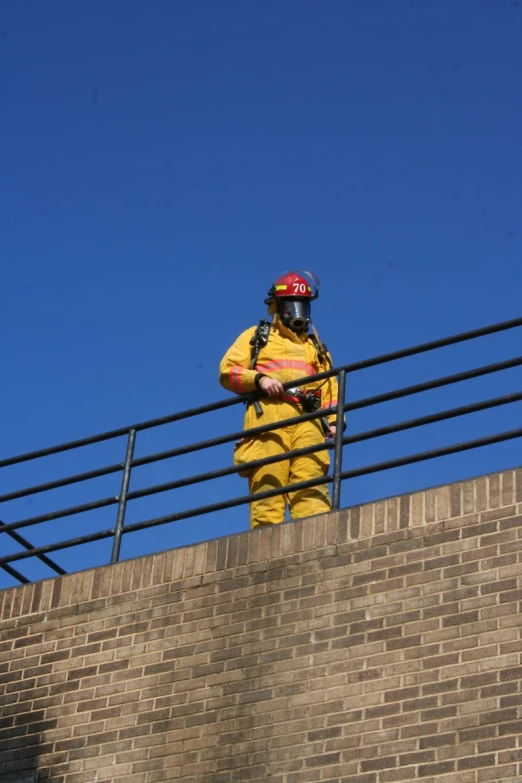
[{"x": 287, "y": 356}]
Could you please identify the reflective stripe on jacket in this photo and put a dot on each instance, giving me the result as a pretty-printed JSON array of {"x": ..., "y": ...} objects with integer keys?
[{"x": 287, "y": 356}]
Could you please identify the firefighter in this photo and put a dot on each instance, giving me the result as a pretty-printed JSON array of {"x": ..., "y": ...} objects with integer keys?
[{"x": 263, "y": 358}]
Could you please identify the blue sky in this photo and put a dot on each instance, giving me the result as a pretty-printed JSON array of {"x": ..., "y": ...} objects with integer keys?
[{"x": 163, "y": 162}]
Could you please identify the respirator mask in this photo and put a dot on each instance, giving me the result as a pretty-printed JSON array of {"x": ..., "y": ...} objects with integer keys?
[{"x": 294, "y": 313}]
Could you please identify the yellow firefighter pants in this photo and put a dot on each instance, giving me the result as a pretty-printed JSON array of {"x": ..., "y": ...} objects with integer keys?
[{"x": 303, "y": 502}]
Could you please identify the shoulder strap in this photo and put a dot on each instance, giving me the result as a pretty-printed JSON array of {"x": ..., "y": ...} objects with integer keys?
[
  {"x": 259, "y": 340},
  {"x": 320, "y": 347}
]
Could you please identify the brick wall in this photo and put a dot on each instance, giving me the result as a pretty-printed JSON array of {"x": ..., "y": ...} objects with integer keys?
[{"x": 378, "y": 644}]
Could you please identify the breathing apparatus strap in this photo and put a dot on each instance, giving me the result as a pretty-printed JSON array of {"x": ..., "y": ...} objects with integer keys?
[
  {"x": 258, "y": 341},
  {"x": 322, "y": 353},
  {"x": 320, "y": 347}
]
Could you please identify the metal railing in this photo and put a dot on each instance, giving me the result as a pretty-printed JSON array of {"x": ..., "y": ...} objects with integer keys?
[{"x": 335, "y": 477}]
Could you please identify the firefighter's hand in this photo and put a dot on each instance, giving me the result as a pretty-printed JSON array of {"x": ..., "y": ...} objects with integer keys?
[
  {"x": 271, "y": 386},
  {"x": 330, "y": 435}
]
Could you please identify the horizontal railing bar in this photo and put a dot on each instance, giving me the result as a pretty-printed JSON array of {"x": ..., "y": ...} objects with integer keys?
[
  {"x": 64, "y": 482},
  {"x": 447, "y": 380},
  {"x": 348, "y": 368},
  {"x": 58, "y": 545},
  {"x": 74, "y": 444},
  {"x": 443, "y": 451},
  {"x": 443, "y": 342},
  {"x": 222, "y": 505},
  {"x": 64, "y": 512},
  {"x": 432, "y": 418}
]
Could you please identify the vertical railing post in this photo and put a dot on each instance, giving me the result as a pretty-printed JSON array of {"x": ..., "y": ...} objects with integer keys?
[
  {"x": 120, "y": 519},
  {"x": 338, "y": 449}
]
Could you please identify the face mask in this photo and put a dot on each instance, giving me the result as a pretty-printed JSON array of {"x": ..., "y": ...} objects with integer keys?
[{"x": 294, "y": 313}]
